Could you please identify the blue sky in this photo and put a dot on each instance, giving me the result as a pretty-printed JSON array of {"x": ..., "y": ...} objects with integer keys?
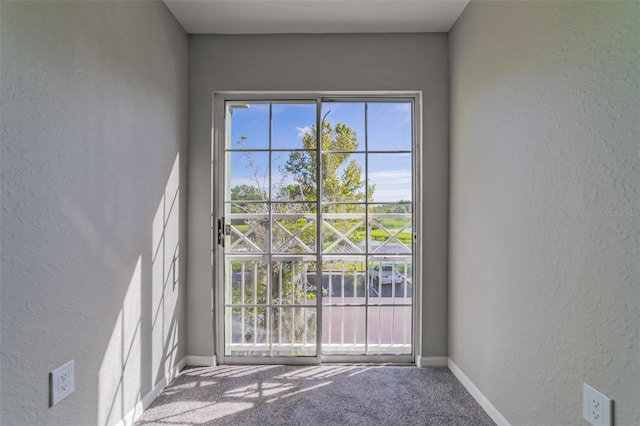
[{"x": 389, "y": 129}]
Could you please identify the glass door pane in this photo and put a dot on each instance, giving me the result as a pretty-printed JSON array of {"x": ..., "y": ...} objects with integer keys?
[{"x": 270, "y": 209}]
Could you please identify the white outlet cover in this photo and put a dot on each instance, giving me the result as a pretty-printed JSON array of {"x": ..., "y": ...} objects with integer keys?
[
  {"x": 62, "y": 383},
  {"x": 597, "y": 408}
]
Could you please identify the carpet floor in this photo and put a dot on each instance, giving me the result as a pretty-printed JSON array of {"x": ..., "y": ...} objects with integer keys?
[{"x": 316, "y": 395}]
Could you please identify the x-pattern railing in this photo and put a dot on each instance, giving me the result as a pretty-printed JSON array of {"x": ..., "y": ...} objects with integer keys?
[
  {"x": 245, "y": 237},
  {"x": 328, "y": 223},
  {"x": 342, "y": 236},
  {"x": 393, "y": 235},
  {"x": 295, "y": 237}
]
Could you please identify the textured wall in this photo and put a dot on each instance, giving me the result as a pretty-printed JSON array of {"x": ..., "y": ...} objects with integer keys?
[
  {"x": 94, "y": 124},
  {"x": 320, "y": 63},
  {"x": 545, "y": 206}
]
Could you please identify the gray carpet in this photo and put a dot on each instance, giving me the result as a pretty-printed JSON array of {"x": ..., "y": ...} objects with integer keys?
[{"x": 317, "y": 395}]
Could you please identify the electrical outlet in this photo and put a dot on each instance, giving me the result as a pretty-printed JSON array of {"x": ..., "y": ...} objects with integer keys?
[
  {"x": 597, "y": 408},
  {"x": 61, "y": 383}
]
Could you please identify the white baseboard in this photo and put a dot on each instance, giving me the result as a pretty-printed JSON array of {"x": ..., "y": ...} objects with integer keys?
[
  {"x": 135, "y": 413},
  {"x": 201, "y": 361},
  {"x": 484, "y": 402},
  {"x": 432, "y": 361}
]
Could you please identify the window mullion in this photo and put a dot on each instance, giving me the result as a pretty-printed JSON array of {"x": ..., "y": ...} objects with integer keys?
[{"x": 319, "y": 219}]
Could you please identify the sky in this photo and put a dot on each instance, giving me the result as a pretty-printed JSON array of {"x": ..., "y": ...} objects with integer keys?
[{"x": 389, "y": 129}]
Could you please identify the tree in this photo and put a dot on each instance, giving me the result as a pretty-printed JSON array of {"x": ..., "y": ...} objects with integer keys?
[
  {"x": 247, "y": 192},
  {"x": 302, "y": 165}
]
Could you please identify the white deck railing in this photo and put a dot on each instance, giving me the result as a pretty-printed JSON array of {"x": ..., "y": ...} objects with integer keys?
[{"x": 376, "y": 323}]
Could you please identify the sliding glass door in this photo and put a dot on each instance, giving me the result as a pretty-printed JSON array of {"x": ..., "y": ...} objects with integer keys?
[
  {"x": 367, "y": 233},
  {"x": 270, "y": 230},
  {"x": 316, "y": 231}
]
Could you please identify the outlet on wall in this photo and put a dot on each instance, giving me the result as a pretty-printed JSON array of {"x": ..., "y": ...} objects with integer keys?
[
  {"x": 61, "y": 383},
  {"x": 597, "y": 408}
]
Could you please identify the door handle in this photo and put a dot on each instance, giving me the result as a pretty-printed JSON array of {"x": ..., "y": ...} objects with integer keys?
[{"x": 221, "y": 231}]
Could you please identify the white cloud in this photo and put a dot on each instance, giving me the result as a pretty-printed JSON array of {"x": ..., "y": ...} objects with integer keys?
[
  {"x": 303, "y": 130},
  {"x": 391, "y": 175},
  {"x": 392, "y": 185}
]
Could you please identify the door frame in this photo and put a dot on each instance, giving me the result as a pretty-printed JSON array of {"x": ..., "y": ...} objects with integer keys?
[{"x": 218, "y": 139}]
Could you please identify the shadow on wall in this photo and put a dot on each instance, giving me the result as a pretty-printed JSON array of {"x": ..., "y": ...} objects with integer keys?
[{"x": 120, "y": 377}]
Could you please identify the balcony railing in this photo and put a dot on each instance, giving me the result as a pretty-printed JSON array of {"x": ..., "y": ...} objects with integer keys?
[
  {"x": 389, "y": 233},
  {"x": 364, "y": 311}
]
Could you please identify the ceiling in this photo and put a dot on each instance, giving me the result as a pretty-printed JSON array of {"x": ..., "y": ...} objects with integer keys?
[{"x": 315, "y": 16}]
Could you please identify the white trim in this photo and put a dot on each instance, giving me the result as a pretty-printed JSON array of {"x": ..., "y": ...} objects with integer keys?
[
  {"x": 201, "y": 361},
  {"x": 433, "y": 361},
  {"x": 175, "y": 371},
  {"x": 418, "y": 212},
  {"x": 306, "y": 95},
  {"x": 135, "y": 413},
  {"x": 484, "y": 402}
]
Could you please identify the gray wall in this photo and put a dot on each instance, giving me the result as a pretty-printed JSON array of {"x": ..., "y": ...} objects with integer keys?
[
  {"x": 320, "y": 63},
  {"x": 545, "y": 206},
  {"x": 94, "y": 125}
]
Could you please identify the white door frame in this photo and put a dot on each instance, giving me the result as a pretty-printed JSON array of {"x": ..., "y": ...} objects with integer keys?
[{"x": 218, "y": 138}]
